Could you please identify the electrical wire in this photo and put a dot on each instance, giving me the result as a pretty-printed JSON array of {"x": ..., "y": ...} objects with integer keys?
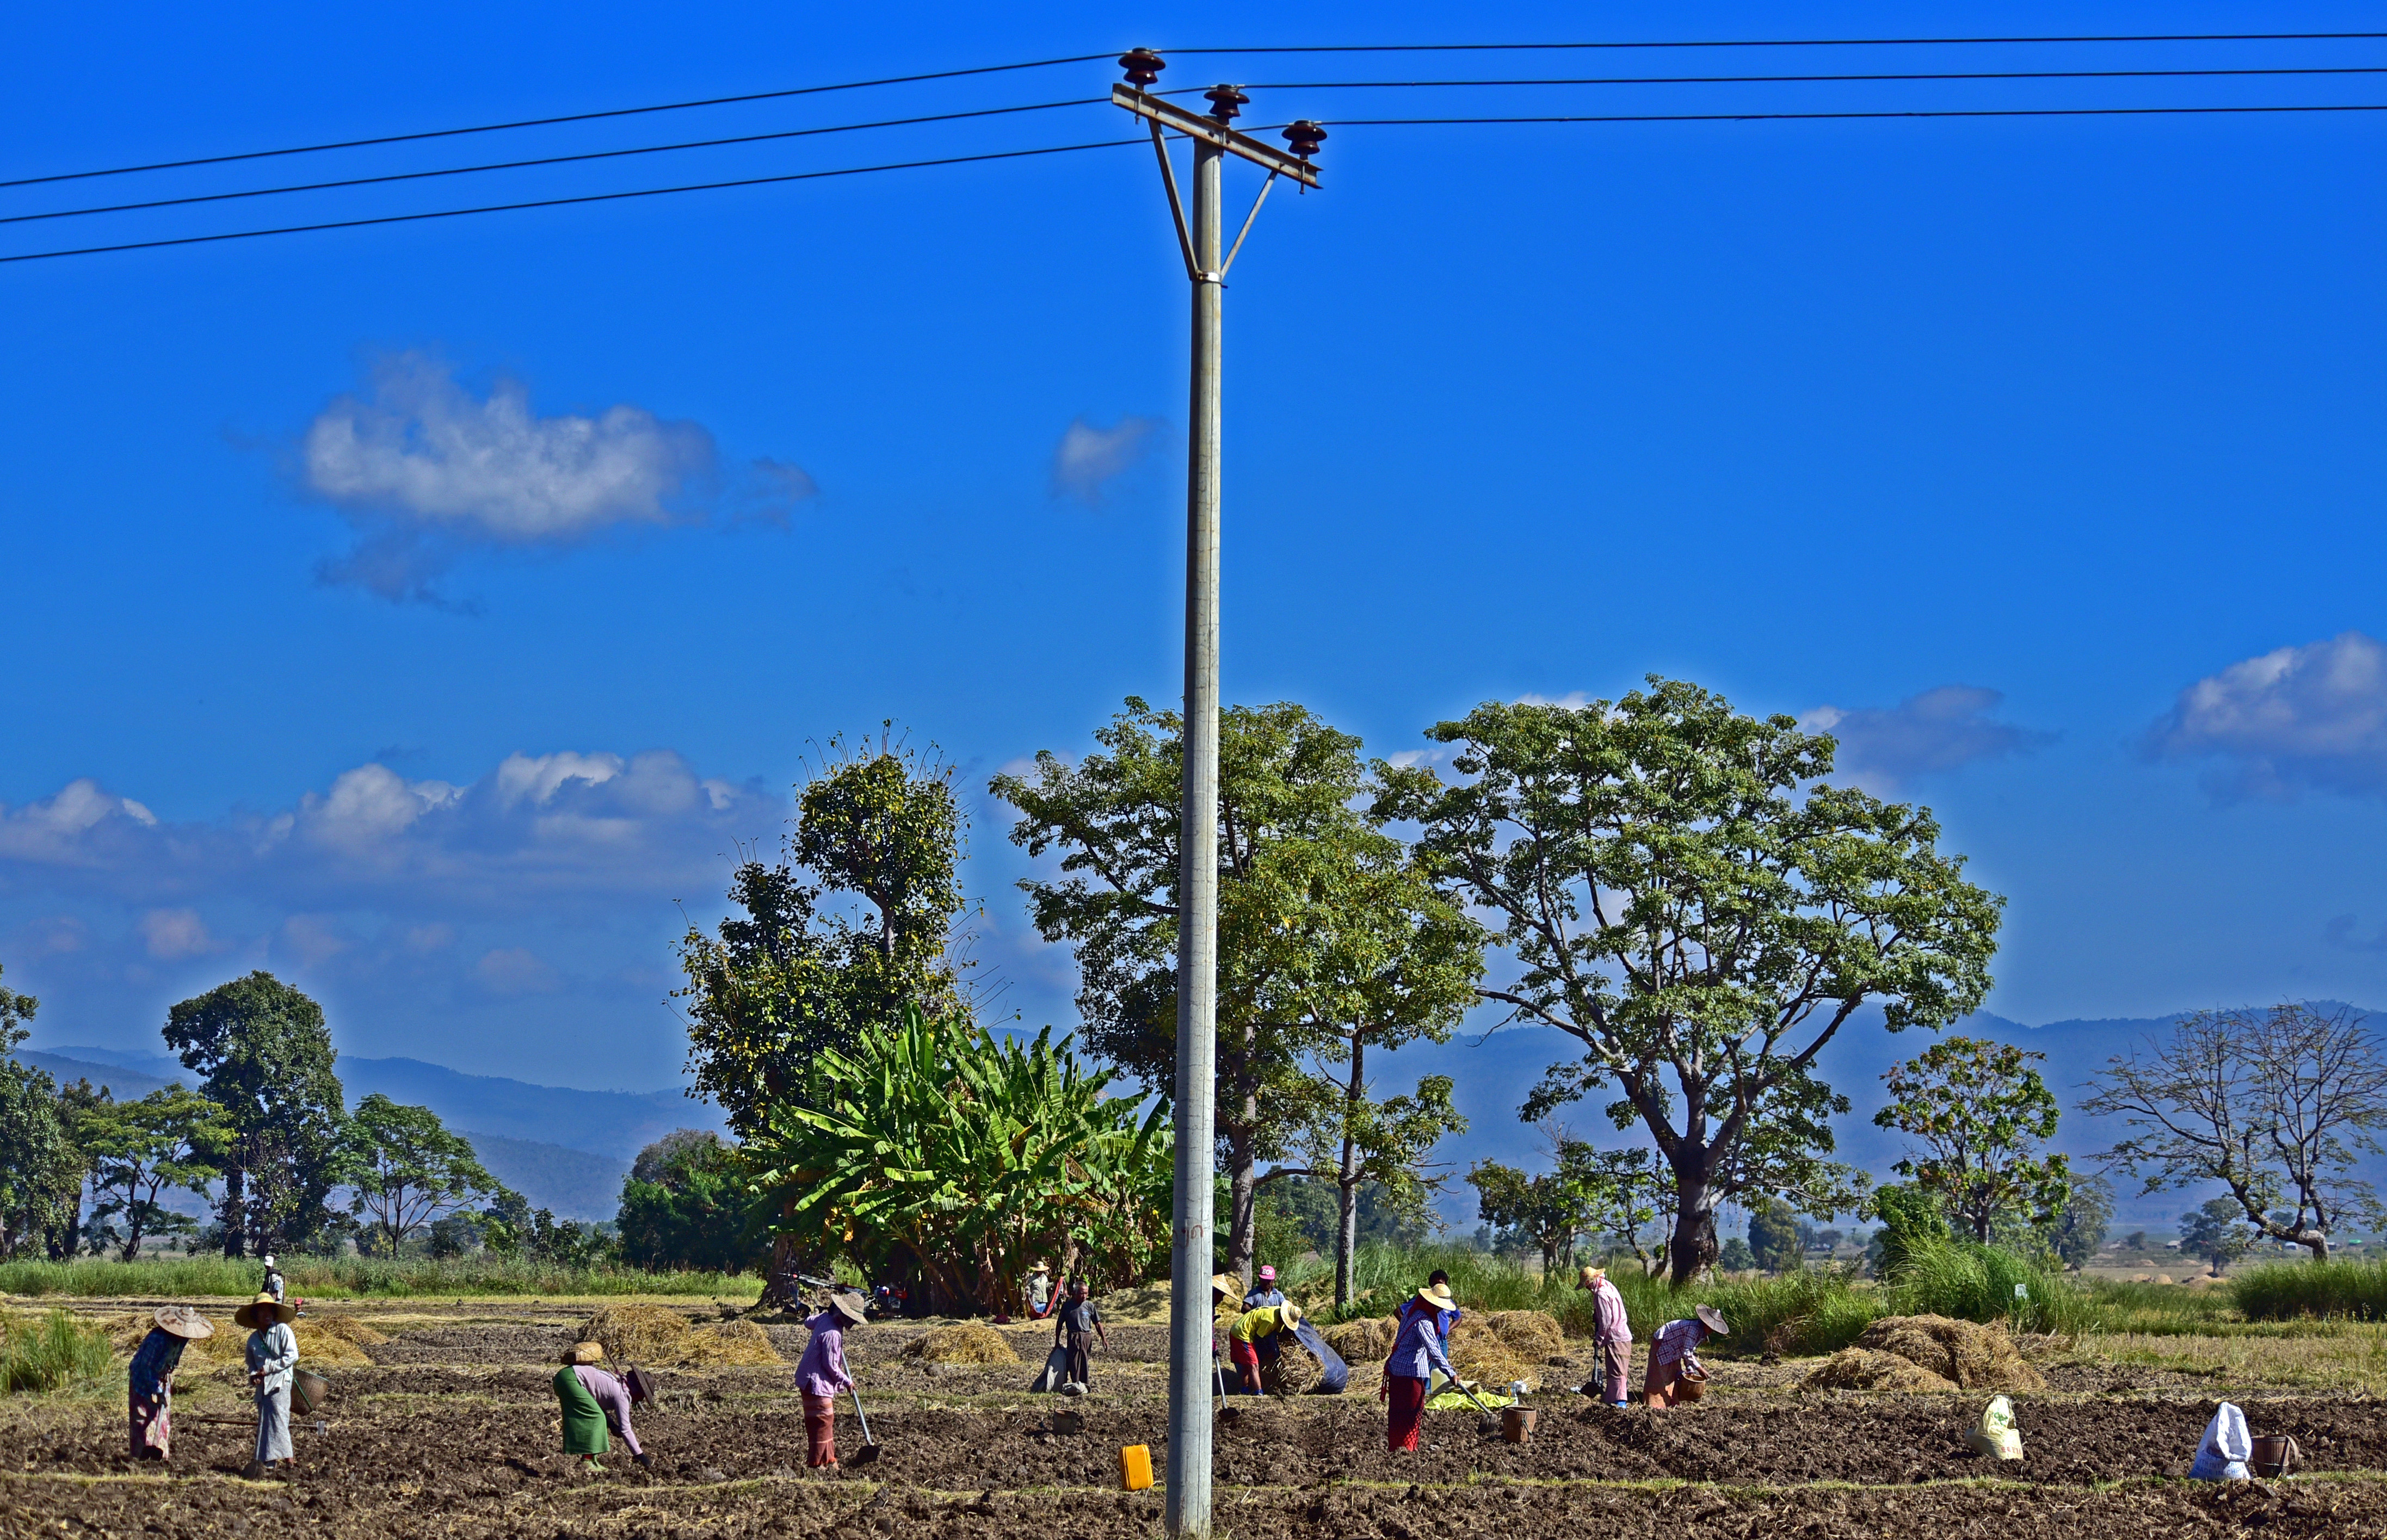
[
  {"x": 542, "y": 160},
  {"x": 583, "y": 197},
  {"x": 1782, "y": 43},
  {"x": 1783, "y": 79},
  {"x": 545, "y": 123},
  {"x": 1809, "y": 116}
]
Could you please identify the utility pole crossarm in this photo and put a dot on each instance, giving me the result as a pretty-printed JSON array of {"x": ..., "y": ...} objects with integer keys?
[{"x": 1209, "y": 131}]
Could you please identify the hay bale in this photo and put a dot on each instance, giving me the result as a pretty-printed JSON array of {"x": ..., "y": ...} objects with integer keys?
[
  {"x": 966, "y": 1343},
  {"x": 658, "y": 1338},
  {"x": 1362, "y": 1341},
  {"x": 1535, "y": 1335},
  {"x": 1478, "y": 1353},
  {"x": 729, "y": 1344},
  {"x": 1971, "y": 1355},
  {"x": 1868, "y": 1369}
]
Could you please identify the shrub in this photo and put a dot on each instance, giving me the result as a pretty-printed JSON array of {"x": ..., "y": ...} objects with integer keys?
[
  {"x": 53, "y": 1351},
  {"x": 2281, "y": 1291},
  {"x": 350, "y": 1277},
  {"x": 1965, "y": 1281}
]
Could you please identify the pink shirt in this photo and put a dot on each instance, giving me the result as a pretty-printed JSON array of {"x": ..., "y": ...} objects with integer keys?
[
  {"x": 1608, "y": 1323},
  {"x": 822, "y": 1372}
]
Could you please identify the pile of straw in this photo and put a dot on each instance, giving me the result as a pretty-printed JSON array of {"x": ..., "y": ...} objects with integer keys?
[
  {"x": 653, "y": 1336},
  {"x": 1968, "y": 1356},
  {"x": 966, "y": 1343},
  {"x": 1868, "y": 1369}
]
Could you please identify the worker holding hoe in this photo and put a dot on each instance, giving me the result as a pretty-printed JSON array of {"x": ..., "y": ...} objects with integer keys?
[
  {"x": 822, "y": 1373},
  {"x": 1080, "y": 1326},
  {"x": 149, "y": 1384},
  {"x": 1260, "y": 1333},
  {"x": 1675, "y": 1373},
  {"x": 1417, "y": 1353},
  {"x": 272, "y": 1363},
  {"x": 1611, "y": 1337}
]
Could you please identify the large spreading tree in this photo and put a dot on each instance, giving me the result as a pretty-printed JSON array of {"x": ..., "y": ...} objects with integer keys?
[
  {"x": 265, "y": 1057},
  {"x": 1982, "y": 1115},
  {"x": 170, "y": 1139},
  {"x": 1688, "y": 898},
  {"x": 406, "y": 1170},
  {"x": 1329, "y": 944}
]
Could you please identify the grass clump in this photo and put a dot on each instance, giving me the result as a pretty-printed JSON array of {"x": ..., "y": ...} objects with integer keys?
[
  {"x": 42, "y": 1353},
  {"x": 2327, "y": 1290},
  {"x": 1963, "y": 1282},
  {"x": 356, "y": 1278}
]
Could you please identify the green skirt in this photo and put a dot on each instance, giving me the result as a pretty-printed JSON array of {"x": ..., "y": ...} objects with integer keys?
[{"x": 584, "y": 1421}]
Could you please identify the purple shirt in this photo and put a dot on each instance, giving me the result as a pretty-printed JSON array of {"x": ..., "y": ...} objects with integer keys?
[
  {"x": 1677, "y": 1341},
  {"x": 1608, "y": 1323},
  {"x": 1419, "y": 1346},
  {"x": 612, "y": 1397},
  {"x": 822, "y": 1372}
]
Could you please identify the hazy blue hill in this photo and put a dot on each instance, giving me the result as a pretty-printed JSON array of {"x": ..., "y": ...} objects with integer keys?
[
  {"x": 122, "y": 1083},
  {"x": 576, "y": 1184}
]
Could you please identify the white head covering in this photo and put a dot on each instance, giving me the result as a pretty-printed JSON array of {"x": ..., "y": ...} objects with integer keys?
[{"x": 2222, "y": 1455}]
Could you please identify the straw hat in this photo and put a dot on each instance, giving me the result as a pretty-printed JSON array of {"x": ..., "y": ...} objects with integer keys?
[
  {"x": 1042, "y": 1266},
  {"x": 849, "y": 1307},
  {"x": 1713, "y": 1318},
  {"x": 182, "y": 1322},
  {"x": 586, "y": 1352},
  {"x": 1289, "y": 1314},
  {"x": 263, "y": 1311},
  {"x": 1591, "y": 1277},
  {"x": 1439, "y": 1298},
  {"x": 1221, "y": 1283}
]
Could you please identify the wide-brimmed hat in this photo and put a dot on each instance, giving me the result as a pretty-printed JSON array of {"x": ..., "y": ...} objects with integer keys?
[
  {"x": 267, "y": 1260},
  {"x": 1042, "y": 1266},
  {"x": 1289, "y": 1314},
  {"x": 1439, "y": 1298},
  {"x": 1223, "y": 1283},
  {"x": 263, "y": 1311},
  {"x": 586, "y": 1352},
  {"x": 1267, "y": 1275},
  {"x": 1713, "y": 1318},
  {"x": 1591, "y": 1277},
  {"x": 180, "y": 1320},
  {"x": 849, "y": 1305}
]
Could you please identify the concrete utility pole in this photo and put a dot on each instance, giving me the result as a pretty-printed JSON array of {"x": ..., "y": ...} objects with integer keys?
[{"x": 1192, "y": 1367}]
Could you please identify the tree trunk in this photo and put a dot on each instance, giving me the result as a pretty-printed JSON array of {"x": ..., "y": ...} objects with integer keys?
[
  {"x": 234, "y": 1213},
  {"x": 1243, "y": 1203},
  {"x": 1347, "y": 1197},
  {"x": 1693, "y": 1249}
]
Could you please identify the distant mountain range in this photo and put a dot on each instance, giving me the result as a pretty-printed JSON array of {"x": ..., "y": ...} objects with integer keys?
[{"x": 563, "y": 1149}]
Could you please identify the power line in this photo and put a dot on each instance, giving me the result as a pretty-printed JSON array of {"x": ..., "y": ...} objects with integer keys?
[
  {"x": 542, "y": 160},
  {"x": 544, "y": 123},
  {"x": 1782, "y": 79},
  {"x": 583, "y": 197},
  {"x": 1783, "y": 43},
  {"x": 1808, "y": 117}
]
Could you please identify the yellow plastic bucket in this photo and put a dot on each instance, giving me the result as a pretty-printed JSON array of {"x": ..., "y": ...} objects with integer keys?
[{"x": 1135, "y": 1468}]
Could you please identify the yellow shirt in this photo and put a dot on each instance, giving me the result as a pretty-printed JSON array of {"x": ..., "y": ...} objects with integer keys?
[{"x": 1252, "y": 1325}]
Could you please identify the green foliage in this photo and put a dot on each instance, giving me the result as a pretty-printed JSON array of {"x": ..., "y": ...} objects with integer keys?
[
  {"x": 1910, "y": 1217},
  {"x": 1610, "y": 1194},
  {"x": 1980, "y": 1112},
  {"x": 53, "y": 1351},
  {"x": 1691, "y": 904},
  {"x": 684, "y": 1205},
  {"x": 1971, "y": 1282},
  {"x": 359, "y": 1277},
  {"x": 405, "y": 1169},
  {"x": 266, "y": 1055},
  {"x": 2283, "y": 1290},
  {"x": 1774, "y": 1235},
  {"x": 41, "y": 1168},
  {"x": 940, "y": 1150},
  {"x": 1736, "y": 1256},
  {"x": 171, "y": 1138},
  {"x": 2216, "y": 1234},
  {"x": 791, "y": 978},
  {"x": 2079, "y": 1229}
]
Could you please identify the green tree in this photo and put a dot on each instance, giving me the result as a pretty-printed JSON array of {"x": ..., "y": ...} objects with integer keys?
[
  {"x": 41, "y": 1168},
  {"x": 879, "y": 832},
  {"x": 1981, "y": 1113},
  {"x": 1774, "y": 1235},
  {"x": 684, "y": 1205},
  {"x": 1548, "y": 1212},
  {"x": 1329, "y": 944},
  {"x": 2217, "y": 1233},
  {"x": 405, "y": 1169},
  {"x": 265, "y": 1057},
  {"x": 1693, "y": 904},
  {"x": 171, "y": 1138},
  {"x": 2079, "y": 1229},
  {"x": 1736, "y": 1256},
  {"x": 1911, "y": 1218}
]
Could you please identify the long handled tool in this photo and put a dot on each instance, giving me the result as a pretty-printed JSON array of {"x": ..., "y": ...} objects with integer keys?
[
  {"x": 869, "y": 1450},
  {"x": 1490, "y": 1422}
]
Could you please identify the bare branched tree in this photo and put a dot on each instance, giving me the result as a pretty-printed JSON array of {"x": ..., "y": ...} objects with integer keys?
[{"x": 2273, "y": 1104}]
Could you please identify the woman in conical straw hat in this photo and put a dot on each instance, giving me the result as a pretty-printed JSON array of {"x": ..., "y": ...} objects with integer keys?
[
  {"x": 1674, "y": 1372},
  {"x": 272, "y": 1361},
  {"x": 149, "y": 1384},
  {"x": 1417, "y": 1353}
]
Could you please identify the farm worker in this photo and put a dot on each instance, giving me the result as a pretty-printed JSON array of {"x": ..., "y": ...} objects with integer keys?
[
  {"x": 149, "y": 1385},
  {"x": 584, "y": 1420},
  {"x": 273, "y": 1358},
  {"x": 1267, "y": 1293},
  {"x": 822, "y": 1374},
  {"x": 1252, "y": 1329},
  {"x": 1417, "y": 1353},
  {"x": 1673, "y": 1356},
  {"x": 2221, "y": 1455},
  {"x": 612, "y": 1397},
  {"x": 274, "y": 1283},
  {"x": 1040, "y": 1290},
  {"x": 1080, "y": 1324},
  {"x": 1611, "y": 1335}
]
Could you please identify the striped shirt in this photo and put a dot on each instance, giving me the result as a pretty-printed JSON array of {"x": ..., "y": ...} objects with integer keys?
[{"x": 1676, "y": 1343}]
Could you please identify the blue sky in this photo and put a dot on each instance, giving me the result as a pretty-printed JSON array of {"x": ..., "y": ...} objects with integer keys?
[{"x": 430, "y": 612}]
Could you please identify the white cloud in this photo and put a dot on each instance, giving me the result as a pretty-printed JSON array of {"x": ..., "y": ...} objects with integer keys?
[
  {"x": 515, "y": 971},
  {"x": 419, "y": 447},
  {"x": 1939, "y": 730},
  {"x": 1573, "y": 700},
  {"x": 315, "y": 940},
  {"x": 2295, "y": 718},
  {"x": 71, "y": 825},
  {"x": 172, "y": 935},
  {"x": 1088, "y": 458}
]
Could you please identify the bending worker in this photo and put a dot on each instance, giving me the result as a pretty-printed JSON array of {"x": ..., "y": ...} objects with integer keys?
[
  {"x": 602, "y": 1408},
  {"x": 1256, "y": 1331},
  {"x": 1611, "y": 1337},
  {"x": 273, "y": 1362},
  {"x": 1417, "y": 1353},
  {"x": 822, "y": 1373},
  {"x": 149, "y": 1384},
  {"x": 1674, "y": 1371}
]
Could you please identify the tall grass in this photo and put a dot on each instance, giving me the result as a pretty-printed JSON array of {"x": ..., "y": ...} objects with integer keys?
[
  {"x": 2281, "y": 1291},
  {"x": 1986, "y": 1284},
  {"x": 38, "y": 1353},
  {"x": 357, "y": 1277}
]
